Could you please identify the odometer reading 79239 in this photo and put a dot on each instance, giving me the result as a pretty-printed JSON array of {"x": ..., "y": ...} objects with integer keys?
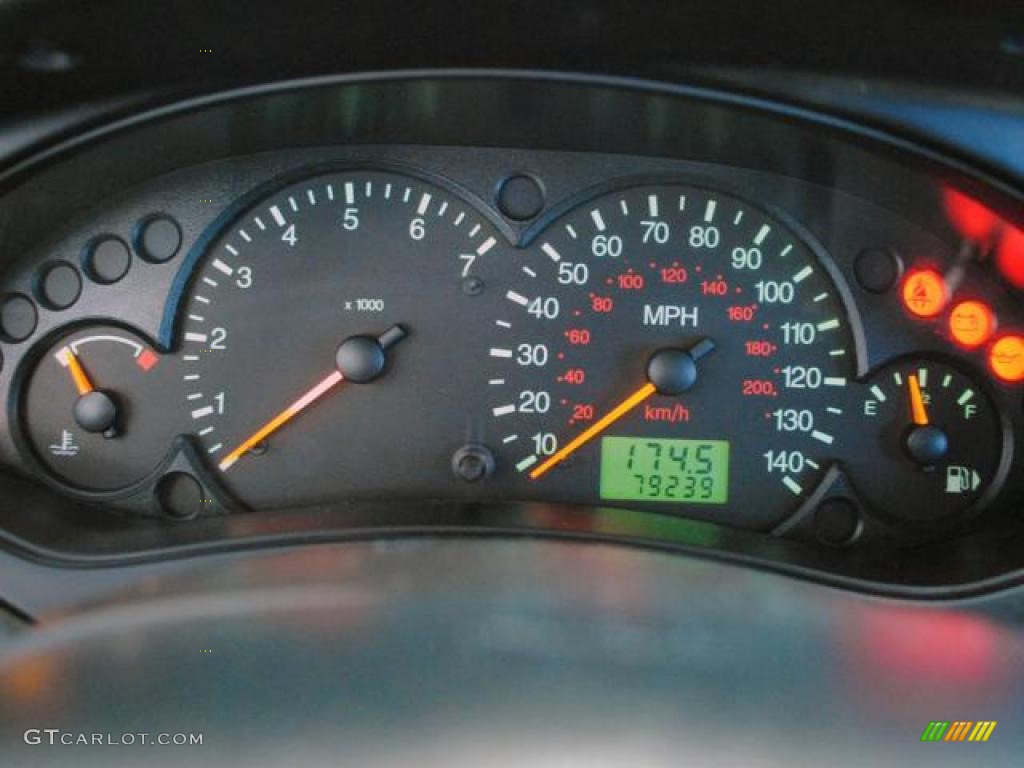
[{"x": 664, "y": 315}]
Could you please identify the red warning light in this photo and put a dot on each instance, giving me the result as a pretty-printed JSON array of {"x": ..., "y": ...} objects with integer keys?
[
  {"x": 147, "y": 359},
  {"x": 925, "y": 292},
  {"x": 1010, "y": 256},
  {"x": 971, "y": 323},
  {"x": 1006, "y": 358},
  {"x": 970, "y": 218}
]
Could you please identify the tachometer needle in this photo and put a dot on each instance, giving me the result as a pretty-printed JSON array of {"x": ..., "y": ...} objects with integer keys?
[
  {"x": 78, "y": 374},
  {"x": 917, "y": 409},
  {"x": 282, "y": 418},
  {"x": 358, "y": 360},
  {"x": 595, "y": 429}
]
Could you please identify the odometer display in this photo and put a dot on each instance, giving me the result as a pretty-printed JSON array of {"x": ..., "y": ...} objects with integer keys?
[
  {"x": 642, "y": 469},
  {"x": 663, "y": 272}
]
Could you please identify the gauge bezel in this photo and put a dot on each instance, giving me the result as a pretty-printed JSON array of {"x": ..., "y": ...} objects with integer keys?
[
  {"x": 17, "y": 414},
  {"x": 1006, "y": 435},
  {"x": 705, "y": 183}
]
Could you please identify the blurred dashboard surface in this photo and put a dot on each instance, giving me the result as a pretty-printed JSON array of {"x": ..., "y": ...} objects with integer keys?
[{"x": 493, "y": 653}]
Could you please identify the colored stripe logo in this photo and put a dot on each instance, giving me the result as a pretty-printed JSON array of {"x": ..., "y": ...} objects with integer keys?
[{"x": 958, "y": 730}]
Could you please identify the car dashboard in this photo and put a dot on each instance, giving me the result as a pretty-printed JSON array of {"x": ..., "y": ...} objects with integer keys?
[{"x": 462, "y": 399}]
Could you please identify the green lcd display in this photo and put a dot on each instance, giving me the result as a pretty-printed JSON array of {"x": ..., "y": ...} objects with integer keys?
[{"x": 682, "y": 471}]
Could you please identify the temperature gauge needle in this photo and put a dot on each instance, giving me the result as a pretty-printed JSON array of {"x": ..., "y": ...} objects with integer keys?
[
  {"x": 281, "y": 419},
  {"x": 359, "y": 360},
  {"x": 917, "y": 410},
  {"x": 95, "y": 410},
  {"x": 78, "y": 374}
]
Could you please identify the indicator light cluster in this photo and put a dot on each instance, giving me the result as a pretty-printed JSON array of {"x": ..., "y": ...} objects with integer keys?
[
  {"x": 926, "y": 293},
  {"x": 971, "y": 323}
]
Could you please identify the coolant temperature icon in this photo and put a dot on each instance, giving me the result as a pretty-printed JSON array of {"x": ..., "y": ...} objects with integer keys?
[{"x": 67, "y": 447}]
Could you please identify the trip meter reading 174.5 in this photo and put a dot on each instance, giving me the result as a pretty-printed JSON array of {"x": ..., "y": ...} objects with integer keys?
[{"x": 670, "y": 347}]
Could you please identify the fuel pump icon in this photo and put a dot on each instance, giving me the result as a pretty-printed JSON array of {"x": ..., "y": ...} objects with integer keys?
[{"x": 961, "y": 479}]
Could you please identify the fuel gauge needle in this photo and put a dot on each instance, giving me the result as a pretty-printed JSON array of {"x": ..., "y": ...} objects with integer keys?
[
  {"x": 917, "y": 409},
  {"x": 924, "y": 442},
  {"x": 359, "y": 360}
]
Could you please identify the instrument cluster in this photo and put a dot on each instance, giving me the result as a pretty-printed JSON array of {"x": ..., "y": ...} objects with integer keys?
[{"x": 313, "y": 327}]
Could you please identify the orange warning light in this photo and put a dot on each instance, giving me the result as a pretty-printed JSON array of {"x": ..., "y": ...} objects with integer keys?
[
  {"x": 925, "y": 293},
  {"x": 971, "y": 323},
  {"x": 1007, "y": 358}
]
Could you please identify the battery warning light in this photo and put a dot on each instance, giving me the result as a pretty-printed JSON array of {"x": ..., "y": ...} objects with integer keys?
[
  {"x": 1006, "y": 358},
  {"x": 925, "y": 292},
  {"x": 971, "y": 323}
]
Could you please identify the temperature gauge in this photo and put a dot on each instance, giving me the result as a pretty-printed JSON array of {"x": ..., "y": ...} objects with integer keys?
[
  {"x": 91, "y": 409},
  {"x": 933, "y": 447}
]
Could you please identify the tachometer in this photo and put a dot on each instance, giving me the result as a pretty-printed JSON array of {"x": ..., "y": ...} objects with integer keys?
[
  {"x": 673, "y": 348},
  {"x": 318, "y": 341}
]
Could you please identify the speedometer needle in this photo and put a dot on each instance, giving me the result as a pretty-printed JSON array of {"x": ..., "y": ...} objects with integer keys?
[
  {"x": 669, "y": 372},
  {"x": 359, "y": 359},
  {"x": 595, "y": 429}
]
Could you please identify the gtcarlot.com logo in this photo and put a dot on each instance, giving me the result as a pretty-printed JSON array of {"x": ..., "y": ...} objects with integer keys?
[
  {"x": 958, "y": 730},
  {"x": 57, "y": 737}
]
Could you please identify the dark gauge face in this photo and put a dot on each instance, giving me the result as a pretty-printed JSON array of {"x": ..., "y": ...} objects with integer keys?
[
  {"x": 931, "y": 446},
  {"x": 319, "y": 344},
  {"x": 671, "y": 348},
  {"x": 92, "y": 408}
]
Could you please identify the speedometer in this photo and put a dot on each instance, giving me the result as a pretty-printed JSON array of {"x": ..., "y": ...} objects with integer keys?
[{"x": 672, "y": 348}]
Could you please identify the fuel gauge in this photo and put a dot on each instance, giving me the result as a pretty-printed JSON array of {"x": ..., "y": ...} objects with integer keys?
[
  {"x": 92, "y": 410},
  {"x": 933, "y": 446}
]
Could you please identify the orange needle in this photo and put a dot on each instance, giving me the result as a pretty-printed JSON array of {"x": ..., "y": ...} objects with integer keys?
[
  {"x": 282, "y": 418},
  {"x": 917, "y": 409},
  {"x": 595, "y": 429},
  {"x": 71, "y": 361}
]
